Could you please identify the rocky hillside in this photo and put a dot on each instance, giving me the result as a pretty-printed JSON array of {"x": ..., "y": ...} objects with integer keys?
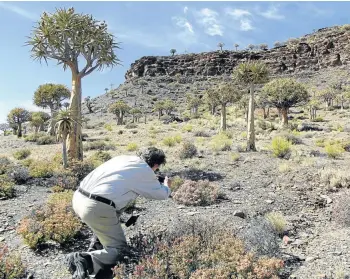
[{"x": 157, "y": 77}]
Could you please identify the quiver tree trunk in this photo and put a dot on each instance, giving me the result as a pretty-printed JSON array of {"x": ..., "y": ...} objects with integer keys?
[
  {"x": 120, "y": 119},
  {"x": 52, "y": 123},
  {"x": 75, "y": 144},
  {"x": 251, "y": 128},
  {"x": 19, "y": 130},
  {"x": 284, "y": 117},
  {"x": 266, "y": 112},
  {"x": 223, "y": 118},
  {"x": 64, "y": 150}
]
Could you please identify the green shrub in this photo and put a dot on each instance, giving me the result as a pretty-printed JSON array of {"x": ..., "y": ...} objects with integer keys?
[
  {"x": 46, "y": 140},
  {"x": 188, "y": 150},
  {"x": 54, "y": 221},
  {"x": 281, "y": 147},
  {"x": 334, "y": 150},
  {"x": 34, "y": 137},
  {"x": 7, "y": 187},
  {"x": 176, "y": 182},
  {"x": 320, "y": 142},
  {"x": 318, "y": 119},
  {"x": 21, "y": 154},
  {"x": 98, "y": 145},
  {"x": 221, "y": 142},
  {"x": 41, "y": 169},
  {"x": 169, "y": 141},
  {"x": 101, "y": 156},
  {"x": 131, "y": 126},
  {"x": 235, "y": 156},
  {"x": 187, "y": 128},
  {"x": 200, "y": 192},
  {"x": 26, "y": 162},
  {"x": 178, "y": 138},
  {"x": 292, "y": 138},
  {"x": 131, "y": 146},
  {"x": 80, "y": 169},
  {"x": 278, "y": 221},
  {"x": 108, "y": 127},
  {"x": 11, "y": 266}
]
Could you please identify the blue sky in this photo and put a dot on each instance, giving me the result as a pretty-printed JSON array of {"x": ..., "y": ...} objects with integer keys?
[{"x": 151, "y": 28}]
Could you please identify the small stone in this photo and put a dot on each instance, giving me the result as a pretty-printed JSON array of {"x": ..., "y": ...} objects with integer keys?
[
  {"x": 2, "y": 239},
  {"x": 192, "y": 213},
  {"x": 310, "y": 259},
  {"x": 181, "y": 207},
  {"x": 328, "y": 199},
  {"x": 287, "y": 240},
  {"x": 30, "y": 276},
  {"x": 239, "y": 214},
  {"x": 297, "y": 242},
  {"x": 269, "y": 201}
]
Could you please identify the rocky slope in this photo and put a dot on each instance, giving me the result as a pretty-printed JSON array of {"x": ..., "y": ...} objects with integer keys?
[{"x": 158, "y": 77}]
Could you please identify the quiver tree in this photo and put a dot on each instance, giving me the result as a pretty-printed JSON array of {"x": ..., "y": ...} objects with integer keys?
[
  {"x": 88, "y": 104},
  {"x": 236, "y": 46},
  {"x": 119, "y": 108},
  {"x": 210, "y": 97},
  {"x": 251, "y": 47},
  {"x": 72, "y": 39},
  {"x": 51, "y": 96},
  {"x": 221, "y": 45},
  {"x": 16, "y": 118},
  {"x": 261, "y": 103},
  {"x": 284, "y": 93},
  {"x": 136, "y": 114},
  {"x": 328, "y": 95},
  {"x": 169, "y": 106},
  {"x": 173, "y": 51},
  {"x": 193, "y": 102},
  {"x": 250, "y": 74},
  {"x": 63, "y": 127},
  {"x": 4, "y": 127},
  {"x": 159, "y": 107},
  {"x": 38, "y": 119},
  {"x": 225, "y": 93},
  {"x": 263, "y": 46}
]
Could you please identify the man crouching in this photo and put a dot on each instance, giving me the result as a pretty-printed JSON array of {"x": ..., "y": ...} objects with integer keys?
[{"x": 101, "y": 198}]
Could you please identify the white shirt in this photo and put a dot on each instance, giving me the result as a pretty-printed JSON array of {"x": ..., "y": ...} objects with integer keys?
[{"x": 124, "y": 178}]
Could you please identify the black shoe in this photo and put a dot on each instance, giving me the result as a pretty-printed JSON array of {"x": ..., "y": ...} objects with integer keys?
[
  {"x": 79, "y": 265},
  {"x": 95, "y": 244}
]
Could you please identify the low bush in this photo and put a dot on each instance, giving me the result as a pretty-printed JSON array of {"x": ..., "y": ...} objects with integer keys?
[
  {"x": 169, "y": 141},
  {"x": 200, "y": 192},
  {"x": 334, "y": 151},
  {"x": 235, "y": 156},
  {"x": 11, "y": 265},
  {"x": 131, "y": 146},
  {"x": 108, "y": 127},
  {"x": 80, "y": 169},
  {"x": 44, "y": 140},
  {"x": 54, "y": 221},
  {"x": 64, "y": 180},
  {"x": 27, "y": 162},
  {"x": 266, "y": 125},
  {"x": 320, "y": 142},
  {"x": 7, "y": 187},
  {"x": 188, "y": 150},
  {"x": 98, "y": 145},
  {"x": 278, "y": 222},
  {"x": 131, "y": 126},
  {"x": 201, "y": 133},
  {"x": 318, "y": 119},
  {"x": 176, "y": 182},
  {"x": 292, "y": 138},
  {"x": 21, "y": 154},
  {"x": 5, "y": 164},
  {"x": 34, "y": 137},
  {"x": 334, "y": 178},
  {"x": 41, "y": 169},
  {"x": 203, "y": 255},
  {"x": 178, "y": 138},
  {"x": 187, "y": 128},
  {"x": 281, "y": 147},
  {"x": 221, "y": 142},
  {"x": 19, "y": 174},
  {"x": 101, "y": 156}
]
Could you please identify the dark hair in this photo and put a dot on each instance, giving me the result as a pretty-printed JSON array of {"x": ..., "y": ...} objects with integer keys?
[{"x": 153, "y": 156}]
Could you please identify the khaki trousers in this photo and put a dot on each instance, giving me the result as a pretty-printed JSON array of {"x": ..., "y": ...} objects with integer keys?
[{"x": 105, "y": 223}]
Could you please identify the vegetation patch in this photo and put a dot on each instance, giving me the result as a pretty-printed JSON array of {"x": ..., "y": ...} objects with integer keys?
[
  {"x": 221, "y": 142},
  {"x": 41, "y": 169},
  {"x": 7, "y": 187},
  {"x": 281, "y": 147},
  {"x": 188, "y": 150},
  {"x": 54, "y": 221},
  {"x": 199, "y": 193},
  {"x": 21, "y": 154},
  {"x": 11, "y": 265}
]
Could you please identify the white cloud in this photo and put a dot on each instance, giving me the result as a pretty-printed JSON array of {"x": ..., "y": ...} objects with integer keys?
[
  {"x": 272, "y": 13},
  {"x": 237, "y": 13},
  {"x": 185, "y": 10},
  {"x": 246, "y": 24},
  {"x": 19, "y": 11},
  {"x": 183, "y": 23},
  {"x": 209, "y": 20}
]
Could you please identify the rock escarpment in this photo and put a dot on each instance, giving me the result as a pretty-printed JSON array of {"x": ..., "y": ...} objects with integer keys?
[{"x": 325, "y": 48}]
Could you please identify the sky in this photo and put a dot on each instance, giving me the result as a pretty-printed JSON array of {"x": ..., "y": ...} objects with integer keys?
[{"x": 150, "y": 28}]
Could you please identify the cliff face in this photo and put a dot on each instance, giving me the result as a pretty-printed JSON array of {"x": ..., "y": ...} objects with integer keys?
[{"x": 325, "y": 48}]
